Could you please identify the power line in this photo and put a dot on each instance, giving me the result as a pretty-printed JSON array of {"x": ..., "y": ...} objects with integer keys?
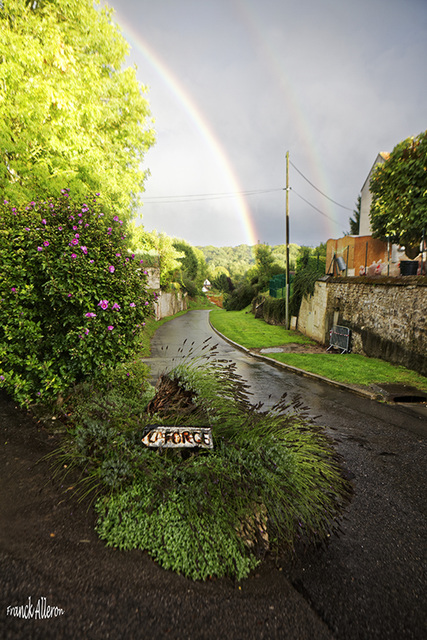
[
  {"x": 197, "y": 197},
  {"x": 321, "y": 192},
  {"x": 312, "y": 205}
]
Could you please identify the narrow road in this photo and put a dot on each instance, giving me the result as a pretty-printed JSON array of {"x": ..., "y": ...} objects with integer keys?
[{"x": 371, "y": 582}]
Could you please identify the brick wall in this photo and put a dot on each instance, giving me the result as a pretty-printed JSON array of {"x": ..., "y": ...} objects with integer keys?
[{"x": 387, "y": 316}]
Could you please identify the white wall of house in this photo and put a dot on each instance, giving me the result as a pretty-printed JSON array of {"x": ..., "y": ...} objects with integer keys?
[{"x": 366, "y": 199}]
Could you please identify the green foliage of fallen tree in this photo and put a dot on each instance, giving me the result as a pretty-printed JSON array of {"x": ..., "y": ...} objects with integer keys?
[{"x": 272, "y": 480}]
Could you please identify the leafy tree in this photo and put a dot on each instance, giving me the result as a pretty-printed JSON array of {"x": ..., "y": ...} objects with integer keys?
[
  {"x": 279, "y": 253},
  {"x": 193, "y": 264},
  {"x": 71, "y": 115},
  {"x": 399, "y": 195},
  {"x": 355, "y": 222},
  {"x": 73, "y": 300},
  {"x": 157, "y": 249},
  {"x": 265, "y": 267},
  {"x": 223, "y": 283}
]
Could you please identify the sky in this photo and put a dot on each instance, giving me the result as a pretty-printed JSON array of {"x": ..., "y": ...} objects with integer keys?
[{"x": 235, "y": 85}]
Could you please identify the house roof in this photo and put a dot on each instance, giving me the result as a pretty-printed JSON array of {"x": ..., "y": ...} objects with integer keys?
[{"x": 384, "y": 155}]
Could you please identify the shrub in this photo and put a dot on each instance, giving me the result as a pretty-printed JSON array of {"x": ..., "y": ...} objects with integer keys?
[
  {"x": 240, "y": 297},
  {"x": 190, "y": 287},
  {"x": 273, "y": 309},
  {"x": 73, "y": 301},
  {"x": 309, "y": 270}
]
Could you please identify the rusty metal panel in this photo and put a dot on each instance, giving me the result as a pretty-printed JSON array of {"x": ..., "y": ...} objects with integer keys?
[{"x": 160, "y": 436}]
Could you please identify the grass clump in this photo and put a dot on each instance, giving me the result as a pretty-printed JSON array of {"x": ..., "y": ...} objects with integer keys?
[
  {"x": 272, "y": 479},
  {"x": 253, "y": 333}
]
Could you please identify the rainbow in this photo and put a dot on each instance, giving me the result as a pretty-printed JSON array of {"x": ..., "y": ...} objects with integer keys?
[
  {"x": 200, "y": 122},
  {"x": 248, "y": 18}
]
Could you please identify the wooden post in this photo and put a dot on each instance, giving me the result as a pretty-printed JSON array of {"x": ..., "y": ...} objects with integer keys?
[{"x": 287, "y": 242}]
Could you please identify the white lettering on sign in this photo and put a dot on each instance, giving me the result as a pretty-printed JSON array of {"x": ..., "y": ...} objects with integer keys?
[{"x": 179, "y": 437}]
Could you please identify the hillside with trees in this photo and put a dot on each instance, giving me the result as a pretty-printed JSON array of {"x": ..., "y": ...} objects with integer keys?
[{"x": 236, "y": 261}]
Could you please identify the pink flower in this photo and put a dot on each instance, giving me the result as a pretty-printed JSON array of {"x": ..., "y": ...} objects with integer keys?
[
  {"x": 110, "y": 327},
  {"x": 84, "y": 249},
  {"x": 103, "y": 304},
  {"x": 116, "y": 218},
  {"x": 45, "y": 243},
  {"x": 116, "y": 307},
  {"x": 132, "y": 304},
  {"x": 39, "y": 248},
  {"x": 59, "y": 228},
  {"x": 13, "y": 289},
  {"x": 87, "y": 332},
  {"x": 73, "y": 256},
  {"x": 43, "y": 221},
  {"x": 111, "y": 269},
  {"x": 90, "y": 315},
  {"x": 74, "y": 241}
]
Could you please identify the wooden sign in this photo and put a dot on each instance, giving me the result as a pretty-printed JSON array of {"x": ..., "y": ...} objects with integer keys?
[{"x": 159, "y": 436}]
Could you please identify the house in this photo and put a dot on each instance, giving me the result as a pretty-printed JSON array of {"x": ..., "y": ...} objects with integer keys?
[
  {"x": 363, "y": 254},
  {"x": 366, "y": 197}
]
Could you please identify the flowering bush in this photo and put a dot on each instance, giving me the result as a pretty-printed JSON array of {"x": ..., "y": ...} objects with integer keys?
[{"x": 72, "y": 299}]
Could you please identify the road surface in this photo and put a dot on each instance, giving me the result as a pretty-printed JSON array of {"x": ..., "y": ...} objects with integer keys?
[{"x": 371, "y": 583}]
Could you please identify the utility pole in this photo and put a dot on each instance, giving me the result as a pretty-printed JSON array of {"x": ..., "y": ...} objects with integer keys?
[{"x": 287, "y": 242}]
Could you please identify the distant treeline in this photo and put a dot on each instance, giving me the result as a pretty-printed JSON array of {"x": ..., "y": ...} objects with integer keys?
[{"x": 238, "y": 260}]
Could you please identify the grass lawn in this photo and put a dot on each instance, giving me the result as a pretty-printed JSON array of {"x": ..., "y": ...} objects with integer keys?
[
  {"x": 243, "y": 328},
  {"x": 251, "y": 332}
]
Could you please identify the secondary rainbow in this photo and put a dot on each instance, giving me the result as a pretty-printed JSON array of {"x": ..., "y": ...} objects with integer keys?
[{"x": 247, "y": 16}]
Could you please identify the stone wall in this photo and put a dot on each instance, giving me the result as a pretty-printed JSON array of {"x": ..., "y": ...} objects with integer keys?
[
  {"x": 167, "y": 304},
  {"x": 387, "y": 316}
]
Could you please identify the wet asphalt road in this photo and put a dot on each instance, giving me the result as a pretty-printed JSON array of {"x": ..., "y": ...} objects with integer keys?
[{"x": 371, "y": 582}]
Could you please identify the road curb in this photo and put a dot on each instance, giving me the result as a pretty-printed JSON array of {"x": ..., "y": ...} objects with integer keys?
[{"x": 301, "y": 372}]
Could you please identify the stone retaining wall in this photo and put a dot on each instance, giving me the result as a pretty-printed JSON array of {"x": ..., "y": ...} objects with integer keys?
[
  {"x": 387, "y": 316},
  {"x": 167, "y": 304}
]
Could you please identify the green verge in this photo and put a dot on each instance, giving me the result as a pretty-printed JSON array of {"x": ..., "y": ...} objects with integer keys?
[
  {"x": 253, "y": 333},
  {"x": 243, "y": 328},
  {"x": 352, "y": 369}
]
